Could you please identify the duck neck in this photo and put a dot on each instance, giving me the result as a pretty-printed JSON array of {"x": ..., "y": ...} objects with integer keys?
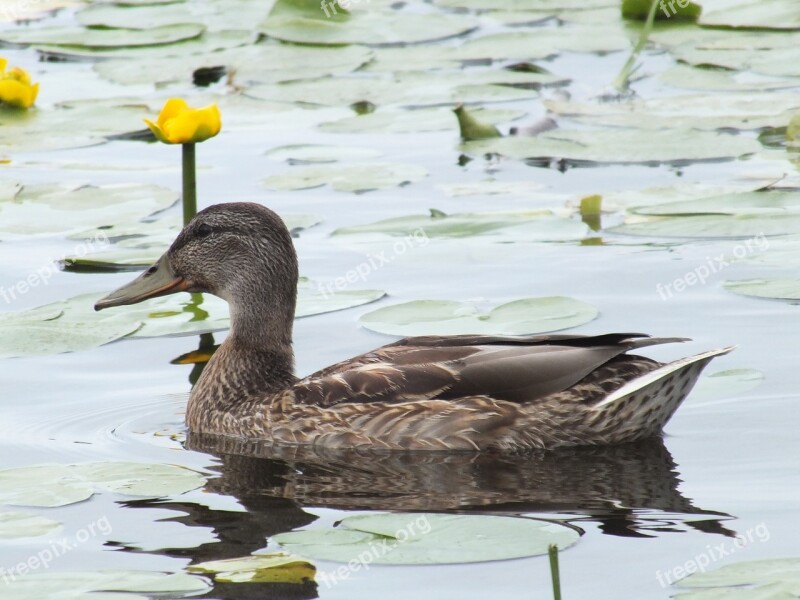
[{"x": 253, "y": 364}]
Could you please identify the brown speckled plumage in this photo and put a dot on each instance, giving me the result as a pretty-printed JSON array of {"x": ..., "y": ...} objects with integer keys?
[{"x": 426, "y": 393}]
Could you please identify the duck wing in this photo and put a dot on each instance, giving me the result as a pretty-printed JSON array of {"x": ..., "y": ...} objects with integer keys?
[{"x": 514, "y": 369}]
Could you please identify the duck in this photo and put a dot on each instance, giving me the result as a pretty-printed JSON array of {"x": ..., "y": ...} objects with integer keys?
[{"x": 491, "y": 393}]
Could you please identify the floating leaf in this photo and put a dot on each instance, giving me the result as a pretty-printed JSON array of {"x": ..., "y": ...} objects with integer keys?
[
  {"x": 57, "y": 209},
  {"x": 100, "y": 585},
  {"x": 473, "y": 129},
  {"x": 320, "y": 153},
  {"x": 445, "y": 317},
  {"x": 427, "y": 538},
  {"x": 504, "y": 226},
  {"x": 59, "y": 485},
  {"x": 619, "y": 146},
  {"x": 690, "y": 111},
  {"x": 102, "y": 38},
  {"x": 781, "y": 575},
  {"x": 713, "y": 226},
  {"x": 779, "y": 288},
  {"x": 724, "y": 384},
  {"x": 329, "y": 24},
  {"x": 411, "y": 121},
  {"x": 639, "y": 9},
  {"x": 766, "y": 14},
  {"x": 277, "y": 567},
  {"x": 751, "y": 203},
  {"x": 351, "y": 178},
  {"x": 17, "y": 525},
  {"x": 723, "y": 80}
]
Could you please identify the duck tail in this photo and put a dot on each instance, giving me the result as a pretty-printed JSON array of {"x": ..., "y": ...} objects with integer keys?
[{"x": 641, "y": 407}]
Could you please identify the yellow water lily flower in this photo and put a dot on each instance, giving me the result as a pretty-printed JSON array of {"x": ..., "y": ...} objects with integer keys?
[
  {"x": 16, "y": 89},
  {"x": 179, "y": 123}
]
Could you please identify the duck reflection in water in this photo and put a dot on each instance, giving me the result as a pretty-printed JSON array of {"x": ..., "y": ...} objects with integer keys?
[{"x": 629, "y": 490}]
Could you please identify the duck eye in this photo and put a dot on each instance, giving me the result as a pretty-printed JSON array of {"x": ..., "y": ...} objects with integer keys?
[{"x": 203, "y": 230}]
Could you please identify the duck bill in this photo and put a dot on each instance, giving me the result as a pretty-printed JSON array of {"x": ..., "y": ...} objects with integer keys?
[{"x": 158, "y": 280}]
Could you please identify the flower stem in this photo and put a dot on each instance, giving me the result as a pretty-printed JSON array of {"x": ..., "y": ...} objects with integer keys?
[
  {"x": 552, "y": 551},
  {"x": 189, "y": 183}
]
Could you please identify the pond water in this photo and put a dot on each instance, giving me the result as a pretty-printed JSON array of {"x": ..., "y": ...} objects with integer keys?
[{"x": 727, "y": 462}]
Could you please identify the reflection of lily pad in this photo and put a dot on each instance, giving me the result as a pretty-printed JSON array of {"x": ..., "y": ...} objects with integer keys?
[
  {"x": 277, "y": 567},
  {"x": 59, "y": 485},
  {"x": 350, "y": 178},
  {"x": 444, "y": 317},
  {"x": 16, "y": 525},
  {"x": 426, "y": 538},
  {"x": 101, "y": 585}
]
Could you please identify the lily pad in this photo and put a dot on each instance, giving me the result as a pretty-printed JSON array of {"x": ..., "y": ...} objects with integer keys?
[
  {"x": 778, "y": 576},
  {"x": 758, "y": 202},
  {"x": 100, "y": 585},
  {"x": 541, "y": 225},
  {"x": 351, "y": 178},
  {"x": 724, "y": 384},
  {"x": 304, "y": 22},
  {"x": 18, "y": 525},
  {"x": 411, "y": 121},
  {"x": 102, "y": 38},
  {"x": 320, "y": 153},
  {"x": 60, "y": 485},
  {"x": 57, "y": 209},
  {"x": 723, "y": 80},
  {"x": 712, "y": 226},
  {"x": 445, "y": 317},
  {"x": 277, "y": 567},
  {"x": 696, "y": 111},
  {"x": 619, "y": 146},
  {"x": 766, "y": 14},
  {"x": 786, "y": 288},
  {"x": 427, "y": 538}
]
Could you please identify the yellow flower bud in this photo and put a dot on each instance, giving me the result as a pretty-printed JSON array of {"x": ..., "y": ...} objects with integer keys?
[
  {"x": 179, "y": 123},
  {"x": 16, "y": 89}
]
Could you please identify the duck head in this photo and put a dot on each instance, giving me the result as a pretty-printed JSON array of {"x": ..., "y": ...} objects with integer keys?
[{"x": 239, "y": 251}]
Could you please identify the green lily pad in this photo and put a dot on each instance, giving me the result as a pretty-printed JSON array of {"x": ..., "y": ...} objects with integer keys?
[
  {"x": 412, "y": 121},
  {"x": 712, "y": 226},
  {"x": 722, "y": 80},
  {"x": 308, "y": 22},
  {"x": 765, "y": 202},
  {"x": 766, "y": 14},
  {"x": 445, "y": 317},
  {"x": 100, "y": 585},
  {"x": 263, "y": 63},
  {"x": 18, "y": 525},
  {"x": 690, "y": 111},
  {"x": 102, "y": 38},
  {"x": 57, "y": 209},
  {"x": 276, "y": 567},
  {"x": 786, "y": 288},
  {"x": 769, "y": 578},
  {"x": 724, "y": 384},
  {"x": 541, "y": 225},
  {"x": 60, "y": 485},
  {"x": 351, "y": 178},
  {"x": 413, "y": 88},
  {"x": 320, "y": 153},
  {"x": 618, "y": 146},
  {"x": 427, "y": 538}
]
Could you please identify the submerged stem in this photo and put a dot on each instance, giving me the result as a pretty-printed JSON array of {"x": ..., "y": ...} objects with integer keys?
[
  {"x": 623, "y": 79},
  {"x": 189, "y": 183}
]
